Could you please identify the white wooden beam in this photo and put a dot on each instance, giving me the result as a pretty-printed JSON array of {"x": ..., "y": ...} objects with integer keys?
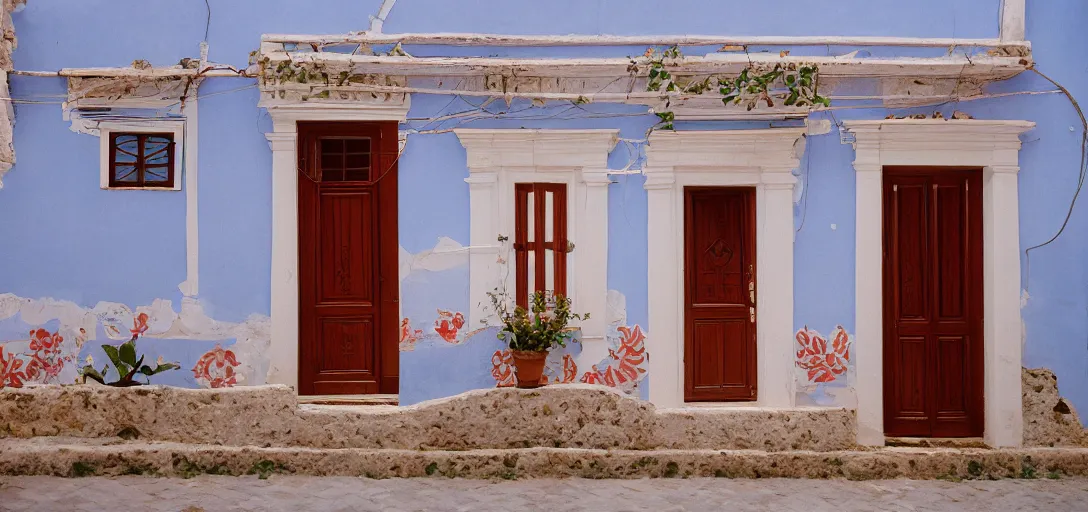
[{"x": 459, "y": 39}]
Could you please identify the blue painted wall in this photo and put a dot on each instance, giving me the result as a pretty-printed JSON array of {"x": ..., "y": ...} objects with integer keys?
[{"x": 64, "y": 238}]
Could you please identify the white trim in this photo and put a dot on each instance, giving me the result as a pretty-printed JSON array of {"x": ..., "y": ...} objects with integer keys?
[
  {"x": 1012, "y": 20},
  {"x": 498, "y": 159},
  {"x": 994, "y": 146},
  {"x": 283, "y": 346},
  {"x": 373, "y": 37},
  {"x": 105, "y": 128},
  {"x": 760, "y": 158},
  {"x": 191, "y": 286}
]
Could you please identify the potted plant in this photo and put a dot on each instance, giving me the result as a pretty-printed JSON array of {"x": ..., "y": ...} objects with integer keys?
[{"x": 531, "y": 333}]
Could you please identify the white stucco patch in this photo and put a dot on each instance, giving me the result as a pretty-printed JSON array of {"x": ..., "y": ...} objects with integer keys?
[{"x": 445, "y": 255}]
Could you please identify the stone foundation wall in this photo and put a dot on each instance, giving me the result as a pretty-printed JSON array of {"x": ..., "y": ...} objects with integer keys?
[
  {"x": 1049, "y": 419},
  {"x": 568, "y": 416}
]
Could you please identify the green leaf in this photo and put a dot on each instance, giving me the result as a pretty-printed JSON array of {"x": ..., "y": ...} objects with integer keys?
[
  {"x": 146, "y": 370},
  {"x": 128, "y": 353},
  {"x": 89, "y": 372},
  {"x": 654, "y": 72},
  {"x": 792, "y": 98},
  {"x": 122, "y": 370},
  {"x": 790, "y": 79},
  {"x": 665, "y": 75},
  {"x": 111, "y": 352}
]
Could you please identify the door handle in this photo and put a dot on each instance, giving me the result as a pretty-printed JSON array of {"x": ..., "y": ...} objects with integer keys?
[
  {"x": 752, "y": 292},
  {"x": 752, "y": 314}
]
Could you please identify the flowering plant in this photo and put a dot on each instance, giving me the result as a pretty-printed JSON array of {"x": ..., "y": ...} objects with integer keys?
[{"x": 540, "y": 327}]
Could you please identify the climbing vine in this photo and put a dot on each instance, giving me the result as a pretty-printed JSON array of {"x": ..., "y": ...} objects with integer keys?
[{"x": 790, "y": 84}]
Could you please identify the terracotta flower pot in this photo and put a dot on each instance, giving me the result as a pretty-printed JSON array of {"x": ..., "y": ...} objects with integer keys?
[{"x": 529, "y": 367}]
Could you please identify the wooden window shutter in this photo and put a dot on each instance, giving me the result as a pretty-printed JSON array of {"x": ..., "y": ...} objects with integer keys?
[{"x": 540, "y": 239}]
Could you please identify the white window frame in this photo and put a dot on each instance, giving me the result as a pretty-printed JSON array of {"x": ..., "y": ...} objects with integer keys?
[
  {"x": 499, "y": 159},
  {"x": 764, "y": 159},
  {"x": 995, "y": 147},
  {"x": 107, "y": 128}
]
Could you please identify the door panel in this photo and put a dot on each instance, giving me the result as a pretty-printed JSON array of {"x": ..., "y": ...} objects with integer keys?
[
  {"x": 348, "y": 282},
  {"x": 719, "y": 348},
  {"x": 933, "y": 353}
]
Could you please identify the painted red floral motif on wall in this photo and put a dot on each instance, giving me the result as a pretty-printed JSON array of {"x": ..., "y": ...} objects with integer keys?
[
  {"x": 502, "y": 368},
  {"x": 448, "y": 324},
  {"x": 46, "y": 361},
  {"x": 823, "y": 362},
  {"x": 10, "y": 374},
  {"x": 408, "y": 336},
  {"x": 624, "y": 366},
  {"x": 41, "y": 364},
  {"x": 215, "y": 369}
]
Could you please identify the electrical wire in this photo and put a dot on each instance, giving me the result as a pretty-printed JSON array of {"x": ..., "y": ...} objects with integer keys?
[
  {"x": 208, "y": 22},
  {"x": 1080, "y": 175}
]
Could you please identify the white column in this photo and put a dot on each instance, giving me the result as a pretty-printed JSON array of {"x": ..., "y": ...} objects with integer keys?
[
  {"x": 1012, "y": 20},
  {"x": 1002, "y": 328},
  {"x": 774, "y": 286},
  {"x": 191, "y": 286},
  {"x": 283, "y": 351},
  {"x": 665, "y": 340},
  {"x": 483, "y": 264},
  {"x": 591, "y": 250},
  {"x": 869, "y": 350}
]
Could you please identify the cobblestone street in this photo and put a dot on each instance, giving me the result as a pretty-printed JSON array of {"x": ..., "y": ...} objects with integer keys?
[{"x": 287, "y": 493}]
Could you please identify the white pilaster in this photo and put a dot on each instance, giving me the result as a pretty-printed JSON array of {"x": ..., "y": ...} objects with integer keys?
[
  {"x": 868, "y": 322},
  {"x": 774, "y": 283},
  {"x": 1002, "y": 332},
  {"x": 1013, "y": 20},
  {"x": 591, "y": 244},
  {"x": 483, "y": 266},
  {"x": 283, "y": 350},
  {"x": 191, "y": 287},
  {"x": 665, "y": 342}
]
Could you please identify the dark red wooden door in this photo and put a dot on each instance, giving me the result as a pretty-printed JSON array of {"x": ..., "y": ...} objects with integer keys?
[
  {"x": 719, "y": 272},
  {"x": 348, "y": 258},
  {"x": 933, "y": 351}
]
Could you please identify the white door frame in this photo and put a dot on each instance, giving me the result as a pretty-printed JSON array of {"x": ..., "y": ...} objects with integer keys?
[
  {"x": 994, "y": 146},
  {"x": 764, "y": 159},
  {"x": 283, "y": 348}
]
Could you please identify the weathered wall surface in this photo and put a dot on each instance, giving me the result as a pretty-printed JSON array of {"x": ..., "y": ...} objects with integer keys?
[
  {"x": 67, "y": 242},
  {"x": 565, "y": 416}
]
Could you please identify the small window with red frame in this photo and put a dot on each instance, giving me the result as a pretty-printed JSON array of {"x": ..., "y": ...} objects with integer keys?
[{"x": 540, "y": 239}]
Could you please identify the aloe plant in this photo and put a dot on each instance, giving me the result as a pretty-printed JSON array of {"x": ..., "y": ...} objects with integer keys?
[{"x": 125, "y": 363}]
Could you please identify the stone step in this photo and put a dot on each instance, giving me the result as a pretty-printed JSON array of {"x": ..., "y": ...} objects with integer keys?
[
  {"x": 83, "y": 457},
  {"x": 561, "y": 416}
]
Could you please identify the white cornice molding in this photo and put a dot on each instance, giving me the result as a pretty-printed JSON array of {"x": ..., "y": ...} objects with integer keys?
[
  {"x": 540, "y": 148},
  {"x": 975, "y": 142},
  {"x": 285, "y": 115},
  {"x": 773, "y": 148}
]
